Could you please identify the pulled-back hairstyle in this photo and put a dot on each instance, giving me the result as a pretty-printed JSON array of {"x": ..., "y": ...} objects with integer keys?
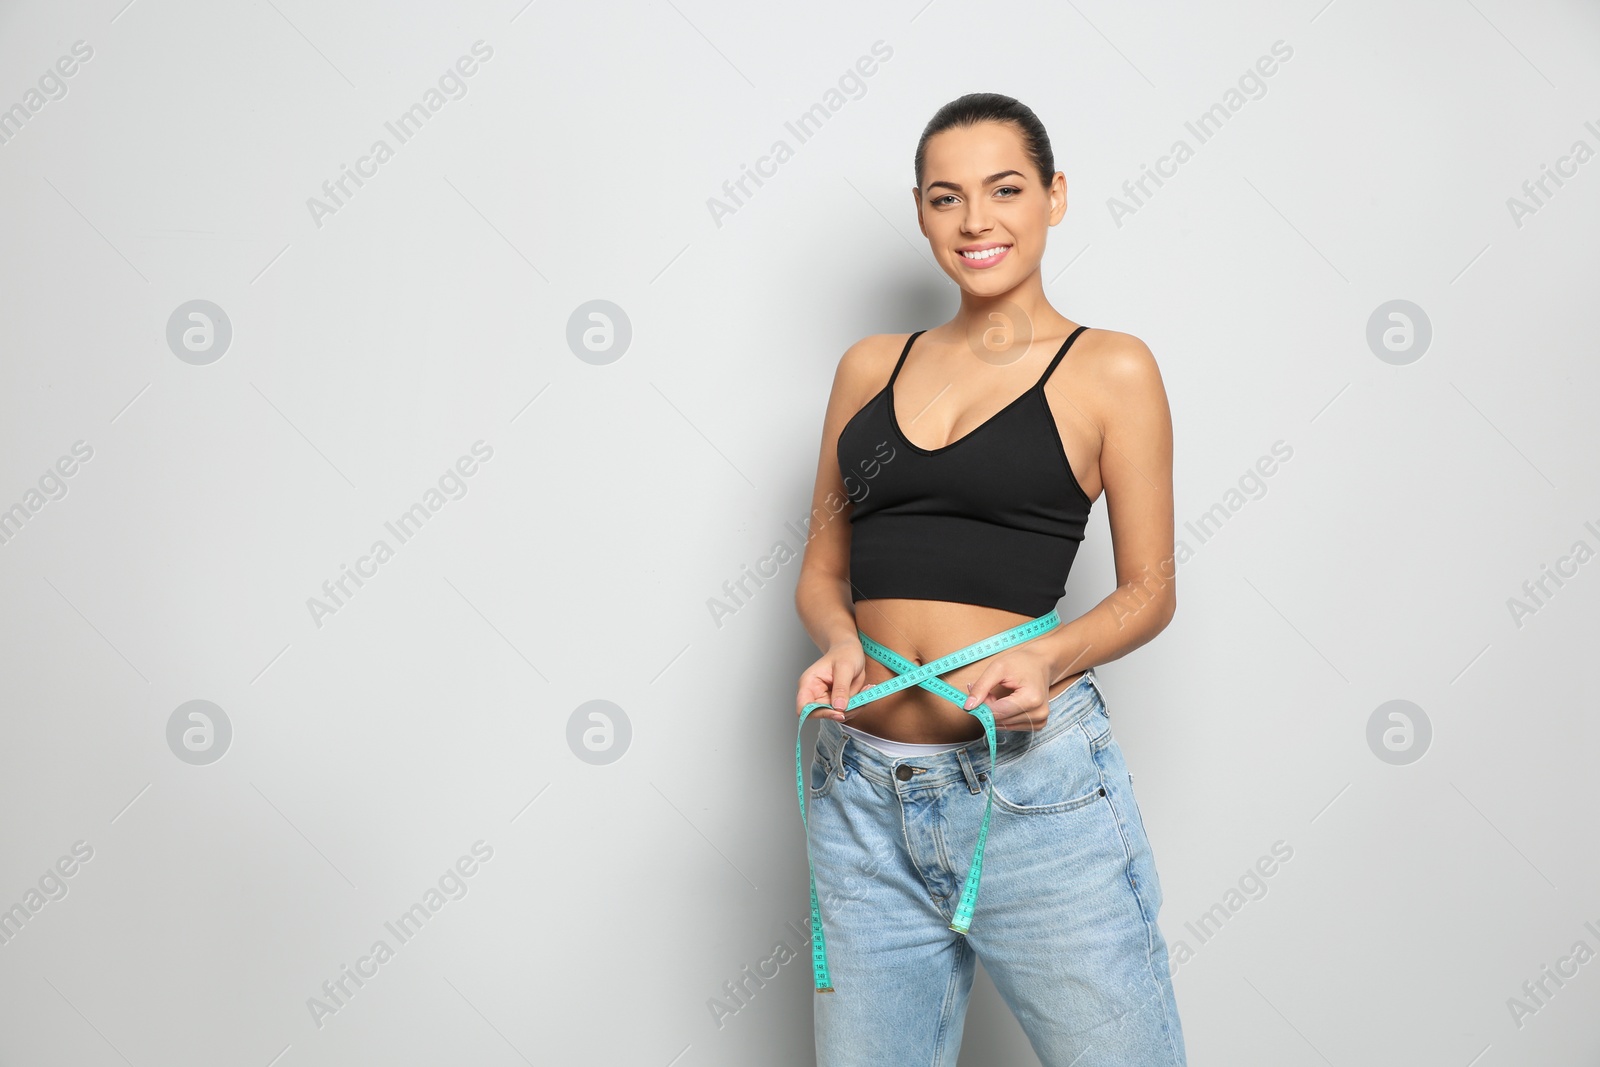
[{"x": 974, "y": 108}]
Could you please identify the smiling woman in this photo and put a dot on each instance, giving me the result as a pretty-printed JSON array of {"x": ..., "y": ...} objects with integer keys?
[{"x": 978, "y": 727}]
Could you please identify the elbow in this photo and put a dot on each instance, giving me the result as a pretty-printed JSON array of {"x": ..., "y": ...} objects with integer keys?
[{"x": 806, "y": 582}]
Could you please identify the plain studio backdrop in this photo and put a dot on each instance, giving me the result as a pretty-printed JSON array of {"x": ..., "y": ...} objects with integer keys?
[{"x": 409, "y": 421}]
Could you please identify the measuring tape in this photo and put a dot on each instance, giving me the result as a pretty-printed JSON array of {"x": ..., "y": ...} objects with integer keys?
[{"x": 927, "y": 676}]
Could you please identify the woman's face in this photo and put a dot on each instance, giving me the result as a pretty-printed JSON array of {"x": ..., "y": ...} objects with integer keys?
[{"x": 982, "y": 194}]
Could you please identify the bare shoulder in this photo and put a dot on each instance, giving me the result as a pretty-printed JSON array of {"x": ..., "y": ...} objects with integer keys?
[
  {"x": 865, "y": 366},
  {"x": 1120, "y": 374},
  {"x": 1120, "y": 359},
  {"x": 874, "y": 352}
]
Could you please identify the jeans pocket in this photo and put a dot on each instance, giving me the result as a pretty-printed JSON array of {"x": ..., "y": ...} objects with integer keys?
[
  {"x": 822, "y": 775},
  {"x": 1057, "y": 776}
]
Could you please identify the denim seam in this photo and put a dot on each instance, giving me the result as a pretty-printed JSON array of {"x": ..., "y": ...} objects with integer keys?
[
  {"x": 941, "y": 849},
  {"x": 1097, "y": 743},
  {"x": 1127, "y": 847},
  {"x": 911, "y": 854},
  {"x": 1065, "y": 806},
  {"x": 1149, "y": 920},
  {"x": 948, "y": 1004}
]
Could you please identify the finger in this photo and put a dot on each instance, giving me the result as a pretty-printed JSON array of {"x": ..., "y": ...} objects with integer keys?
[
  {"x": 841, "y": 692},
  {"x": 978, "y": 692},
  {"x": 1010, "y": 711},
  {"x": 1022, "y": 713},
  {"x": 1005, "y": 710},
  {"x": 812, "y": 688},
  {"x": 1011, "y": 700}
]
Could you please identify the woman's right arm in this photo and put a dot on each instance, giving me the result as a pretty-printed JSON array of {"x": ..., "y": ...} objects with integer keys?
[{"x": 822, "y": 593}]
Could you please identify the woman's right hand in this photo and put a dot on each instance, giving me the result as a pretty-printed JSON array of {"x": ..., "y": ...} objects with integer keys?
[{"x": 835, "y": 678}]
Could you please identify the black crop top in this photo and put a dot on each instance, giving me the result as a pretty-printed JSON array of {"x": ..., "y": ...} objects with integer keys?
[{"x": 993, "y": 518}]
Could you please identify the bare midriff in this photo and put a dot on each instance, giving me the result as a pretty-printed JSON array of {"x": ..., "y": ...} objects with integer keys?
[{"x": 922, "y": 631}]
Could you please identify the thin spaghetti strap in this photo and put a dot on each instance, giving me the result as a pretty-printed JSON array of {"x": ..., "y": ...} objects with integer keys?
[
  {"x": 1064, "y": 346},
  {"x": 901, "y": 361}
]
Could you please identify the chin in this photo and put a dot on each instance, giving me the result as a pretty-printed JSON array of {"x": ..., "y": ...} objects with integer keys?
[{"x": 992, "y": 283}]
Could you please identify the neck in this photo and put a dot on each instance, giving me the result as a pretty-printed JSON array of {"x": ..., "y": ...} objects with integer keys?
[{"x": 996, "y": 322}]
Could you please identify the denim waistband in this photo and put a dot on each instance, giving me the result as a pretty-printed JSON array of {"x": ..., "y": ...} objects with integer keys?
[{"x": 934, "y": 771}]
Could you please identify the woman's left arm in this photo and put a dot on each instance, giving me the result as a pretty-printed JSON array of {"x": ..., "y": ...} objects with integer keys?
[{"x": 1128, "y": 403}]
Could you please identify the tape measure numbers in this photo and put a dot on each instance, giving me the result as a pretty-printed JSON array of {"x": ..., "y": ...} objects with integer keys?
[{"x": 926, "y": 676}]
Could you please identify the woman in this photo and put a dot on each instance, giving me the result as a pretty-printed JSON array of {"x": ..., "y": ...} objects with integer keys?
[{"x": 970, "y": 455}]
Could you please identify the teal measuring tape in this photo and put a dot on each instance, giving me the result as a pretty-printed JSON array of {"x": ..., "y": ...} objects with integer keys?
[{"x": 927, "y": 676}]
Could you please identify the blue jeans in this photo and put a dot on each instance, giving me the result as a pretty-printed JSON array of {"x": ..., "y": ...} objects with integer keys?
[{"x": 1066, "y": 916}]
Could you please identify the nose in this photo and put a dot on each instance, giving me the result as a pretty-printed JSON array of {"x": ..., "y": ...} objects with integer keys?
[{"x": 976, "y": 219}]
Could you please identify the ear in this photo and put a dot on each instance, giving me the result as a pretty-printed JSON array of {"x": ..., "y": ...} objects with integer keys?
[
  {"x": 1058, "y": 197},
  {"x": 916, "y": 198}
]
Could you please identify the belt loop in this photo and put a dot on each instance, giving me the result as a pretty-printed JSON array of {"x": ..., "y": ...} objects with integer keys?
[
  {"x": 833, "y": 754},
  {"x": 824, "y": 750},
  {"x": 1094, "y": 680},
  {"x": 967, "y": 771}
]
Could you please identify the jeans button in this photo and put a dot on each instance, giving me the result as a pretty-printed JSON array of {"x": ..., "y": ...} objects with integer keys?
[{"x": 903, "y": 772}]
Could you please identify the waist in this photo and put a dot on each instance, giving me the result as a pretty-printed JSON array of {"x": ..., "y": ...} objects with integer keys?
[
  {"x": 923, "y": 631},
  {"x": 843, "y": 748}
]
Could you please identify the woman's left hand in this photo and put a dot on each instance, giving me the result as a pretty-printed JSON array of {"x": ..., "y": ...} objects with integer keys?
[{"x": 1022, "y": 677}]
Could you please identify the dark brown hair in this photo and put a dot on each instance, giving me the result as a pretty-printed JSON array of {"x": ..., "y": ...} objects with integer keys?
[{"x": 974, "y": 108}]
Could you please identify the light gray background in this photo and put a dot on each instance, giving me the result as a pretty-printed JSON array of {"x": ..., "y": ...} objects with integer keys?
[{"x": 432, "y": 710}]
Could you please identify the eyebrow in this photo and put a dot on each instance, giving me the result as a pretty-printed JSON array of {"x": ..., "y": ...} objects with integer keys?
[{"x": 991, "y": 179}]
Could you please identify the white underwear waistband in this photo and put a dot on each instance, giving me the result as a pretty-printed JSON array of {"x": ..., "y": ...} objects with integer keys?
[{"x": 900, "y": 748}]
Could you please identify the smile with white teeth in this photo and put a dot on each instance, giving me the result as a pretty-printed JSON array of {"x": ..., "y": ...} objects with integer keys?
[{"x": 987, "y": 253}]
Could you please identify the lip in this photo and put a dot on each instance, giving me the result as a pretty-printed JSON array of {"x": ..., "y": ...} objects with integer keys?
[{"x": 984, "y": 264}]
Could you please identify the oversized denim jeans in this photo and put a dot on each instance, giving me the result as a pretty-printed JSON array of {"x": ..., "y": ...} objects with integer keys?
[{"x": 1066, "y": 916}]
